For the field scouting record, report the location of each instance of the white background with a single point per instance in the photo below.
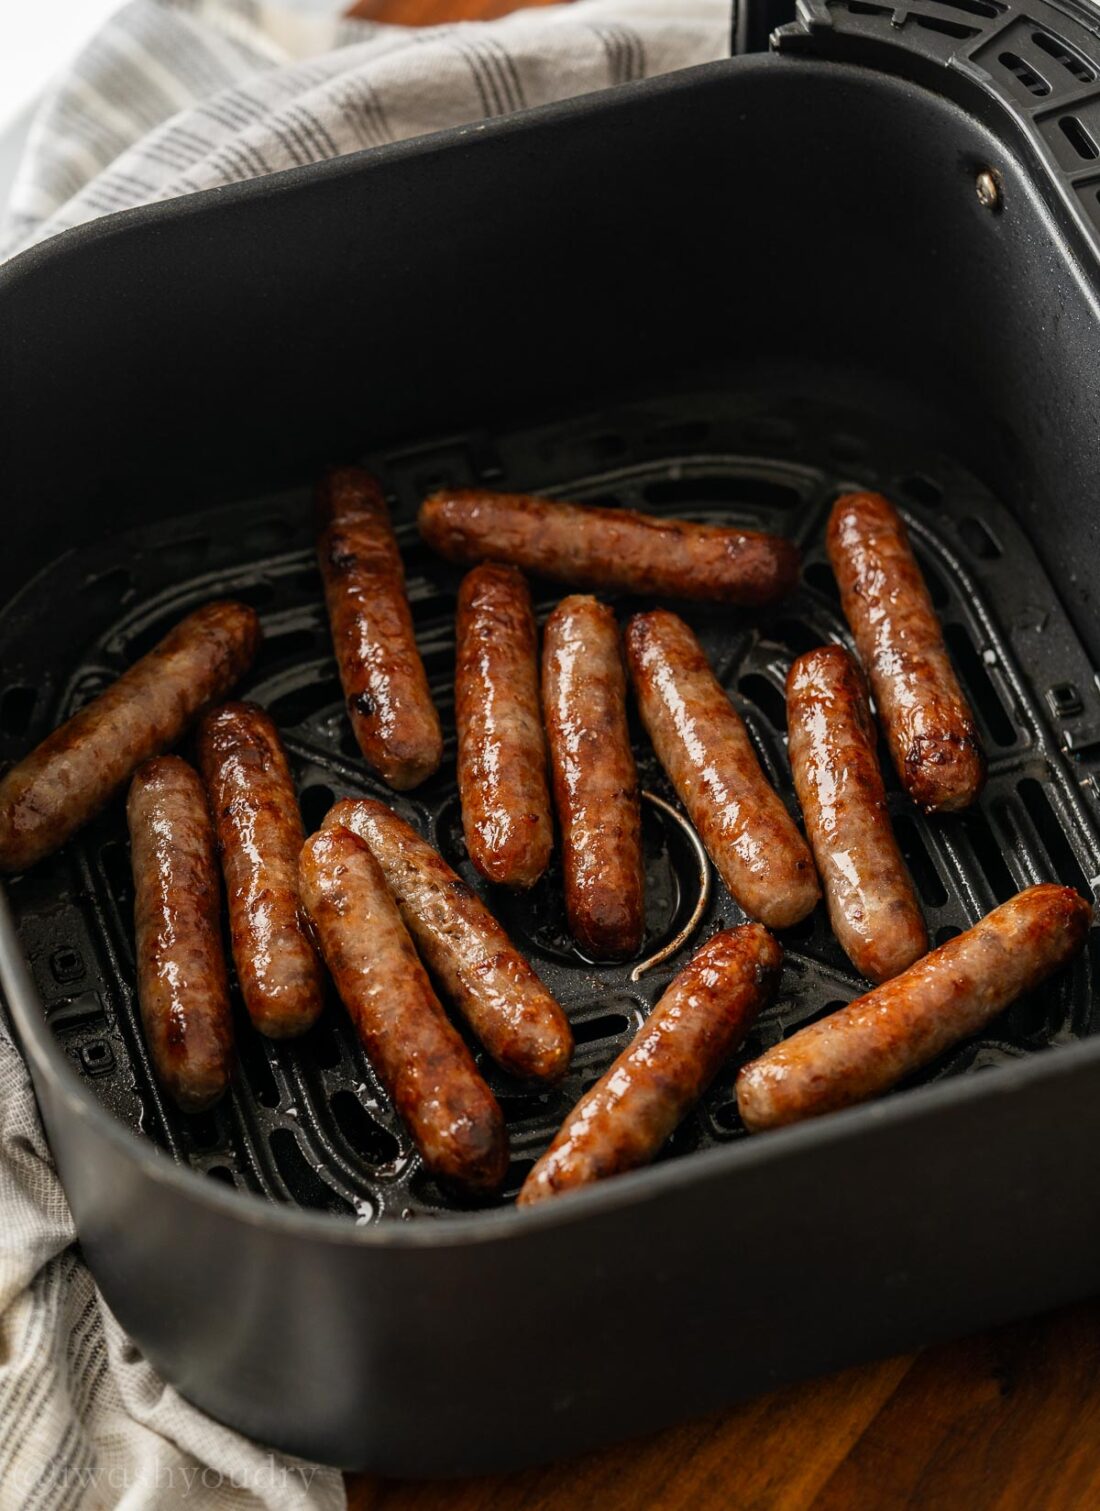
(37, 37)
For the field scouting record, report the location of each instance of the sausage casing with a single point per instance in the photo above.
(76, 770)
(472, 958)
(928, 723)
(705, 748)
(701, 1018)
(501, 746)
(868, 1046)
(259, 827)
(612, 549)
(452, 1115)
(182, 988)
(832, 748)
(594, 778)
(385, 686)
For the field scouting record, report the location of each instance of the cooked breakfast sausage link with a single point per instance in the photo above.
(613, 549)
(700, 1020)
(594, 778)
(385, 686)
(260, 835)
(832, 748)
(424, 1065)
(954, 992)
(181, 978)
(928, 723)
(476, 964)
(75, 772)
(705, 748)
(501, 746)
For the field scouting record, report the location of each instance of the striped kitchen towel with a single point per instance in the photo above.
(175, 96)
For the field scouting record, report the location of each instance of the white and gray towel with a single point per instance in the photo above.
(175, 96)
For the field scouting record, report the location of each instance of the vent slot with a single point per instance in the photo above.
(1078, 138)
(302, 1181)
(983, 694)
(1055, 48)
(1052, 834)
(1032, 81)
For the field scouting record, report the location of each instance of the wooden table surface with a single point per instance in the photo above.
(1008, 1419)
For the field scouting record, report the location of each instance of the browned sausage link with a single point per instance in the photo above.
(181, 979)
(425, 1067)
(832, 747)
(501, 747)
(385, 687)
(615, 549)
(870, 1045)
(56, 789)
(705, 748)
(475, 962)
(260, 834)
(928, 723)
(700, 1020)
(595, 781)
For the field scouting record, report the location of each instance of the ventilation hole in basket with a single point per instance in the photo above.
(300, 1177)
(728, 1117)
(1032, 81)
(290, 645)
(771, 431)
(936, 590)
(323, 1044)
(518, 1171)
(222, 1173)
(17, 709)
(269, 534)
(976, 536)
(986, 8)
(922, 490)
(1055, 48)
(947, 28)
(257, 1068)
(258, 594)
(606, 1026)
(989, 855)
(305, 702)
(948, 931)
(920, 863)
(765, 696)
(307, 581)
(1051, 831)
(522, 1107)
(115, 860)
(728, 488)
(802, 931)
(826, 1010)
(865, 8)
(797, 636)
(1078, 138)
(686, 433)
(204, 1131)
(983, 694)
(819, 576)
(315, 802)
(108, 589)
(606, 447)
(366, 1136)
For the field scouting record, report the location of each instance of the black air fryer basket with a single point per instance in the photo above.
(866, 258)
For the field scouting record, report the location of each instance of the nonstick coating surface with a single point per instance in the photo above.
(307, 1122)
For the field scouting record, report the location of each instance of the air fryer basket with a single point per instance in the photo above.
(725, 295)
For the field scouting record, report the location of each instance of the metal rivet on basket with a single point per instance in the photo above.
(988, 190)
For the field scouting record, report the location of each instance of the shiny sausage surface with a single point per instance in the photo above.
(870, 1045)
(255, 811)
(705, 748)
(76, 770)
(425, 1067)
(594, 778)
(700, 1020)
(476, 964)
(501, 746)
(928, 723)
(613, 549)
(385, 686)
(182, 988)
(872, 906)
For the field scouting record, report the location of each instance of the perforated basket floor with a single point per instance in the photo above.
(307, 1122)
